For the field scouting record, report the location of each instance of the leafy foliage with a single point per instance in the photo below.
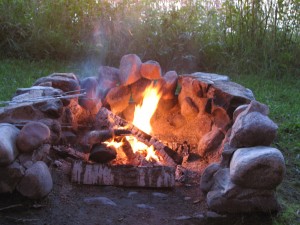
(227, 35)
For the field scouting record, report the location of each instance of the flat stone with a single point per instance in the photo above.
(8, 149)
(92, 98)
(67, 82)
(37, 181)
(99, 201)
(210, 77)
(151, 70)
(32, 136)
(10, 176)
(257, 167)
(51, 108)
(118, 98)
(130, 69)
(252, 129)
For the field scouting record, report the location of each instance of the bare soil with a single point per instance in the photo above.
(184, 204)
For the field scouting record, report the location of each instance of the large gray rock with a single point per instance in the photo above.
(108, 77)
(32, 136)
(37, 181)
(10, 176)
(130, 69)
(227, 197)
(207, 177)
(118, 98)
(209, 77)
(8, 149)
(257, 167)
(252, 129)
(169, 85)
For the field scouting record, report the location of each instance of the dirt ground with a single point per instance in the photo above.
(66, 204)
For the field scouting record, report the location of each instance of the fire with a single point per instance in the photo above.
(142, 116)
(144, 112)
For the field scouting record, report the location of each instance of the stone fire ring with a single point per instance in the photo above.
(228, 128)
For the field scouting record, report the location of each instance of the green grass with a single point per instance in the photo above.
(282, 95)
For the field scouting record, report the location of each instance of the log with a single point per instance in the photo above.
(70, 152)
(123, 175)
(105, 119)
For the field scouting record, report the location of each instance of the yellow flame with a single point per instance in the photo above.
(113, 143)
(144, 112)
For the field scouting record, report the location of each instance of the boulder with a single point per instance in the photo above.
(238, 111)
(67, 82)
(32, 136)
(52, 108)
(118, 98)
(108, 77)
(151, 70)
(169, 85)
(210, 141)
(55, 129)
(8, 149)
(257, 167)
(209, 77)
(37, 181)
(207, 177)
(10, 176)
(252, 129)
(92, 98)
(227, 197)
(130, 69)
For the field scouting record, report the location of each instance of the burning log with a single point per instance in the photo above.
(121, 175)
(107, 119)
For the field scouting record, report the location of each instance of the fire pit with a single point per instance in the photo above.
(135, 127)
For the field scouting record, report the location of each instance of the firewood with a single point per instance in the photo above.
(107, 119)
(123, 175)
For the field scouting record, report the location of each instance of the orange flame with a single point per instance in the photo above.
(144, 112)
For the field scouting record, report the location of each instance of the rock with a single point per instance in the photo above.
(102, 154)
(24, 158)
(92, 98)
(227, 155)
(128, 113)
(188, 108)
(32, 136)
(108, 77)
(207, 179)
(8, 149)
(209, 77)
(42, 154)
(55, 129)
(118, 98)
(144, 206)
(138, 88)
(35, 92)
(151, 70)
(10, 176)
(67, 82)
(227, 197)
(51, 108)
(210, 141)
(159, 195)
(99, 201)
(238, 111)
(130, 69)
(257, 167)
(252, 129)
(37, 181)
(177, 120)
(221, 118)
(68, 137)
(169, 85)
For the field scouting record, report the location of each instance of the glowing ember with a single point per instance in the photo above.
(113, 143)
(144, 112)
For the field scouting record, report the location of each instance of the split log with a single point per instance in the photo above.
(123, 175)
(108, 120)
(70, 152)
